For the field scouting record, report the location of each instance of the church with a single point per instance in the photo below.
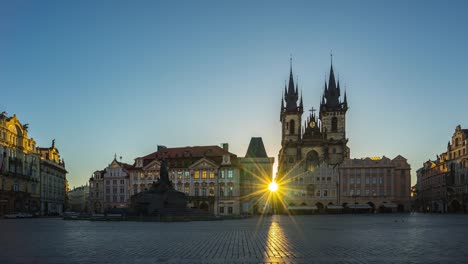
(312, 149)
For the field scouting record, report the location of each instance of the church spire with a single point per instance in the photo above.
(291, 94)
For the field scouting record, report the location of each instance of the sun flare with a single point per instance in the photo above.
(273, 187)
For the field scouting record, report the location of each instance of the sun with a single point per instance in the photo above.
(273, 186)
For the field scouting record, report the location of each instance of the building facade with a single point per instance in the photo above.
(312, 149)
(78, 199)
(442, 184)
(109, 188)
(208, 175)
(53, 181)
(376, 184)
(19, 168)
(256, 175)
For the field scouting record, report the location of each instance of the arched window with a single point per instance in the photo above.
(334, 124)
(291, 127)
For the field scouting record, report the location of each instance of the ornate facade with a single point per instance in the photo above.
(442, 184)
(109, 188)
(53, 181)
(208, 175)
(21, 169)
(312, 149)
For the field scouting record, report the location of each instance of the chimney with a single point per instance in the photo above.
(225, 146)
(161, 147)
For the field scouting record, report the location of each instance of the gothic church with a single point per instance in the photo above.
(312, 149)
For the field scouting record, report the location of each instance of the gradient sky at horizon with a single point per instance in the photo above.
(105, 77)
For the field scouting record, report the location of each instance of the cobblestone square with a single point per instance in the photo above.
(405, 238)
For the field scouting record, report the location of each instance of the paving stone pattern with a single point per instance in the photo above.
(392, 238)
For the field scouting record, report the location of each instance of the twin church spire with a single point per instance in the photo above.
(291, 96)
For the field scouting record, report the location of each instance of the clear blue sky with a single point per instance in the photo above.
(105, 77)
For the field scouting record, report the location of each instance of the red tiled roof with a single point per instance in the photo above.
(194, 153)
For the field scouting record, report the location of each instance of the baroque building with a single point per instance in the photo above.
(53, 181)
(208, 175)
(312, 149)
(19, 168)
(109, 188)
(442, 184)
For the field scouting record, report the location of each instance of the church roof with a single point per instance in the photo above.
(256, 149)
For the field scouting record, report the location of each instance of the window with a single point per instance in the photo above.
(114, 190)
(325, 193)
(351, 192)
(230, 210)
(187, 189)
(351, 180)
(212, 191)
(221, 210)
(318, 193)
(107, 182)
(374, 180)
(367, 192)
(230, 174)
(358, 192)
(187, 174)
(212, 175)
(204, 174)
(230, 191)
(373, 193)
(107, 189)
(197, 191)
(291, 127)
(122, 190)
(114, 182)
(114, 199)
(122, 199)
(318, 179)
(381, 180)
(179, 175)
(334, 124)
(221, 191)
(122, 181)
(197, 175)
(328, 178)
(367, 180)
(358, 180)
(97, 184)
(222, 174)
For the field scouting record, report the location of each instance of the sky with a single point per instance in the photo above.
(121, 77)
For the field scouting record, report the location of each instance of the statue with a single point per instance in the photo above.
(160, 197)
(53, 143)
(163, 173)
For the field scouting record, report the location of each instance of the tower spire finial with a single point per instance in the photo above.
(331, 57)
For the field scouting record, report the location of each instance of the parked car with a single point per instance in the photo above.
(18, 215)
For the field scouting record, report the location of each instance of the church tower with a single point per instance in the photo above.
(291, 121)
(333, 120)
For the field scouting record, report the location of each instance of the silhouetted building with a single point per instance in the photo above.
(257, 172)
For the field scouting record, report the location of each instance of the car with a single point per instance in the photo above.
(18, 215)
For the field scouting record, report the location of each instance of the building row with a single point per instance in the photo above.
(442, 183)
(32, 178)
(213, 178)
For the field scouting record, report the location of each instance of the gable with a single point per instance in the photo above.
(203, 163)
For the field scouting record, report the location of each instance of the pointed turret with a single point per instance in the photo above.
(301, 104)
(291, 96)
(331, 92)
(345, 101)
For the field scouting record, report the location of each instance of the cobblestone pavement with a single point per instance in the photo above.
(278, 239)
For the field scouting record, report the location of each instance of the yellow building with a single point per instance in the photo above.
(19, 168)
